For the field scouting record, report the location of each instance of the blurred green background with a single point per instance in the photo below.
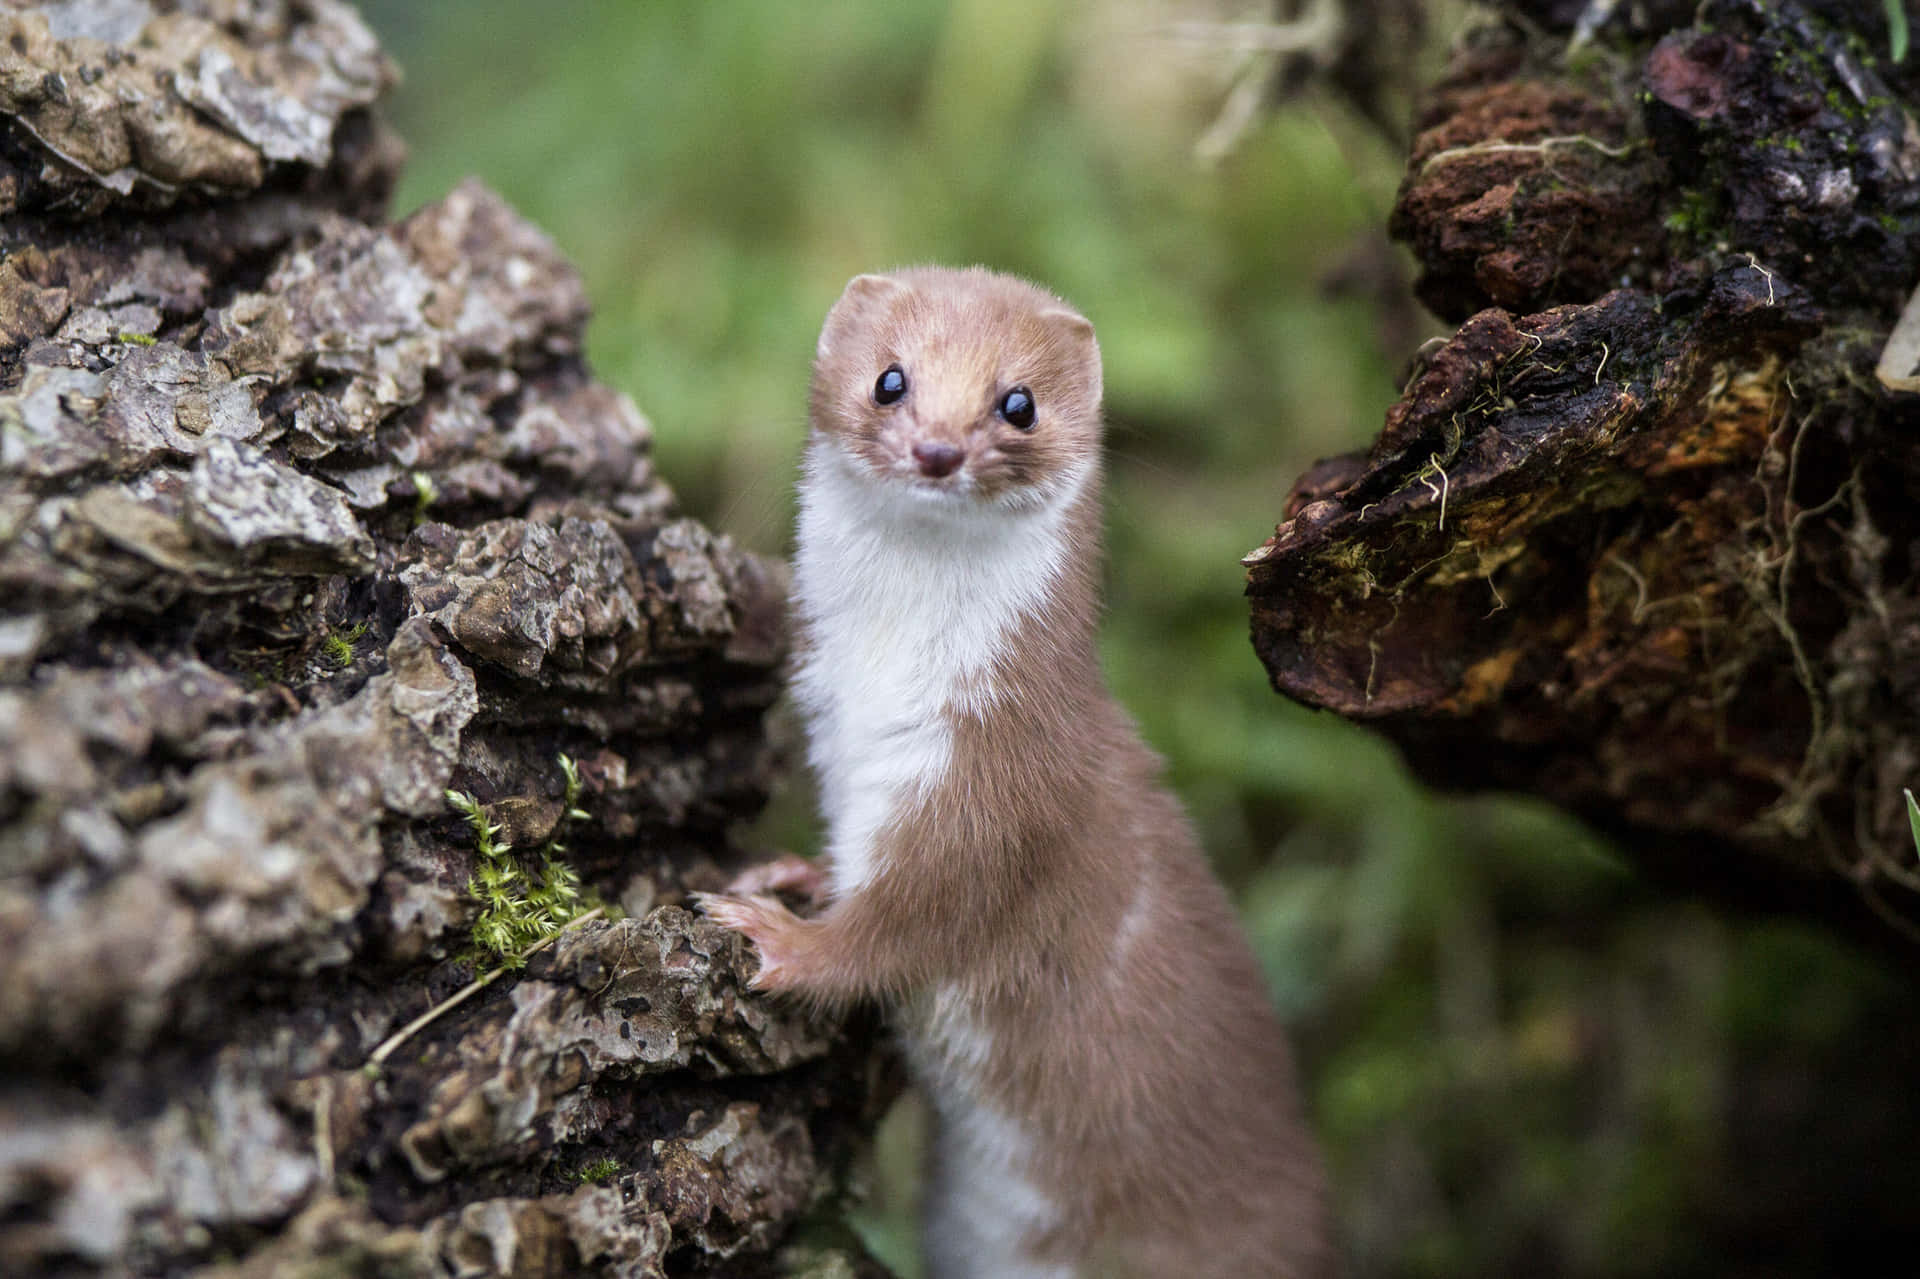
(1520, 1060)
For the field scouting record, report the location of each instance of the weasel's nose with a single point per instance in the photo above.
(937, 460)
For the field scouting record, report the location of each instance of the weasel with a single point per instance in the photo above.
(1004, 870)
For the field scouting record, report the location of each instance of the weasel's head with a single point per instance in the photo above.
(959, 386)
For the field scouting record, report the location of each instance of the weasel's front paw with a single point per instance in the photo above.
(774, 931)
(784, 874)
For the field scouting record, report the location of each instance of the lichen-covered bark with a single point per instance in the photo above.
(305, 520)
(1639, 536)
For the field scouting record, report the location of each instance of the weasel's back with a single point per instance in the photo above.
(1144, 1109)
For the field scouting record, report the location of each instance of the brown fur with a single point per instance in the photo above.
(967, 322)
(1148, 1068)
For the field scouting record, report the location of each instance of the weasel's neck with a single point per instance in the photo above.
(883, 575)
(916, 616)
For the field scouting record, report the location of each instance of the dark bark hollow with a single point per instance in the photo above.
(305, 520)
(1640, 536)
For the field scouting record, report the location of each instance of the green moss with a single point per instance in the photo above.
(1697, 215)
(340, 647)
(599, 1172)
(518, 906)
(136, 339)
(425, 494)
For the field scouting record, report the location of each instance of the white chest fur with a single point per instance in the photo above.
(981, 1203)
(906, 597)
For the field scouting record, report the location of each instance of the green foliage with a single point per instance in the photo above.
(518, 907)
(597, 1173)
(341, 646)
(1913, 820)
(719, 170)
(1896, 29)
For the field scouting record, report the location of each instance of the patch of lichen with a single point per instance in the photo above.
(1808, 576)
(1471, 525)
(1781, 122)
(1348, 563)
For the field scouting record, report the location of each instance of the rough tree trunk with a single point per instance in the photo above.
(1640, 536)
(304, 521)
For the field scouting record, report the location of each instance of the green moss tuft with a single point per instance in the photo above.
(1697, 215)
(599, 1172)
(519, 907)
(425, 494)
(340, 647)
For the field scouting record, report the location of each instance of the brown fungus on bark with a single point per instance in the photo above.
(1648, 552)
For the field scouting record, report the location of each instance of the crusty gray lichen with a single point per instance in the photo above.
(634, 998)
(127, 98)
(305, 520)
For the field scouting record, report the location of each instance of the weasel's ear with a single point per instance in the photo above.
(1071, 325)
(862, 294)
(1074, 332)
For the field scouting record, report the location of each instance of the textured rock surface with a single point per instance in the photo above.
(110, 100)
(1649, 551)
(303, 521)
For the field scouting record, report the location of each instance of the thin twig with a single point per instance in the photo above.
(1755, 264)
(1541, 147)
(1314, 30)
(1499, 601)
(468, 991)
(323, 1129)
(1433, 460)
(1639, 582)
(1237, 113)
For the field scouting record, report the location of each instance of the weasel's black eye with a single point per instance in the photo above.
(1017, 407)
(891, 386)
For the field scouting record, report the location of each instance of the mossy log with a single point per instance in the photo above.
(305, 521)
(1640, 536)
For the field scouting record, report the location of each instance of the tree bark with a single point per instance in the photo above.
(304, 521)
(1640, 535)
